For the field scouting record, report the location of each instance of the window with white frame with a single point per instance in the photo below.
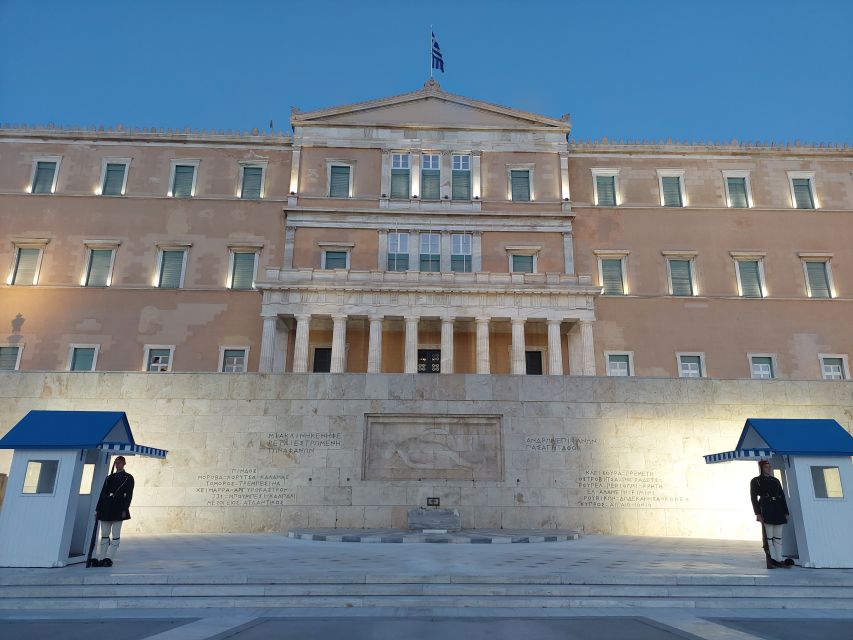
(336, 255)
(430, 251)
(398, 251)
(99, 266)
(691, 365)
(400, 176)
(171, 265)
(243, 268)
(114, 176)
(738, 192)
(340, 180)
(834, 366)
(10, 357)
(460, 252)
(252, 181)
(750, 275)
(430, 176)
(233, 359)
(461, 178)
(82, 357)
(818, 275)
(523, 258)
(619, 363)
(612, 272)
(44, 175)
(183, 180)
(681, 272)
(671, 183)
(26, 264)
(604, 187)
(762, 366)
(802, 188)
(158, 358)
(520, 189)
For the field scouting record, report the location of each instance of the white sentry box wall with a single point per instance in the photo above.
(50, 529)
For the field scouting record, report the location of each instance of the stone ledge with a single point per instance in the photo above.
(465, 536)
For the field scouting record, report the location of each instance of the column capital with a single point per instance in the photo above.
(518, 321)
(411, 319)
(585, 323)
(302, 317)
(476, 152)
(482, 320)
(567, 234)
(338, 317)
(448, 319)
(556, 321)
(376, 317)
(382, 230)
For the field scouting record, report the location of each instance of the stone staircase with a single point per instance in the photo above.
(99, 589)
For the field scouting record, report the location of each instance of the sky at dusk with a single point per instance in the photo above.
(686, 69)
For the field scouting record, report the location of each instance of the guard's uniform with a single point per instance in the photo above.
(113, 509)
(768, 501)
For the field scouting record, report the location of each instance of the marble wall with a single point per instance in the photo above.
(255, 452)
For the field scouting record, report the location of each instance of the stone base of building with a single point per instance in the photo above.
(273, 452)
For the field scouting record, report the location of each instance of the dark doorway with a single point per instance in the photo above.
(429, 360)
(322, 360)
(533, 360)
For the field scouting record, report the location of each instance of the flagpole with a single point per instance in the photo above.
(430, 52)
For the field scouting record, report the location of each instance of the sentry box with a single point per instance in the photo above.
(60, 461)
(812, 460)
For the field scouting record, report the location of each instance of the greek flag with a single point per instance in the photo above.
(437, 58)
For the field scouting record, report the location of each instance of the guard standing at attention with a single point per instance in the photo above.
(112, 510)
(771, 510)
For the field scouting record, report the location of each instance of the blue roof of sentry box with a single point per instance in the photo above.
(68, 430)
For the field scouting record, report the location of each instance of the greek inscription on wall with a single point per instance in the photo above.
(302, 442)
(625, 489)
(244, 487)
(558, 443)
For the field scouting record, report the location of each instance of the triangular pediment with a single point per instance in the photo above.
(431, 107)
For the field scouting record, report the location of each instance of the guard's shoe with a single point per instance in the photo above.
(94, 562)
(106, 562)
(771, 564)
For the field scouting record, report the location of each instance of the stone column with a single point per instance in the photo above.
(339, 342)
(482, 345)
(568, 253)
(587, 348)
(374, 345)
(518, 365)
(477, 252)
(289, 237)
(385, 176)
(575, 350)
(382, 263)
(300, 349)
(268, 340)
(445, 248)
(411, 352)
(555, 349)
(447, 345)
(446, 176)
(414, 251)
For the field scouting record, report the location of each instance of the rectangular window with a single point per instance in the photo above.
(611, 277)
(827, 483)
(430, 177)
(335, 259)
(114, 179)
(520, 185)
(749, 273)
(606, 191)
(253, 178)
(461, 179)
(430, 253)
(183, 181)
(171, 268)
(533, 363)
(322, 360)
(339, 179)
(690, 366)
(99, 269)
(762, 367)
(400, 176)
(233, 360)
(832, 368)
(817, 279)
(82, 359)
(398, 251)
(737, 192)
(429, 360)
(618, 364)
(243, 269)
(803, 196)
(40, 476)
(44, 178)
(26, 266)
(9, 358)
(680, 277)
(460, 255)
(522, 263)
(159, 360)
(671, 191)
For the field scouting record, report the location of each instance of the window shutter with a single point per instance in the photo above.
(183, 186)
(82, 359)
(737, 193)
(336, 260)
(398, 262)
(8, 358)
(400, 184)
(251, 188)
(520, 183)
(461, 185)
(43, 182)
(460, 263)
(671, 191)
(750, 279)
(430, 184)
(243, 275)
(611, 275)
(113, 179)
(818, 279)
(25, 269)
(682, 282)
(522, 264)
(339, 182)
(803, 193)
(171, 266)
(99, 267)
(606, 186)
